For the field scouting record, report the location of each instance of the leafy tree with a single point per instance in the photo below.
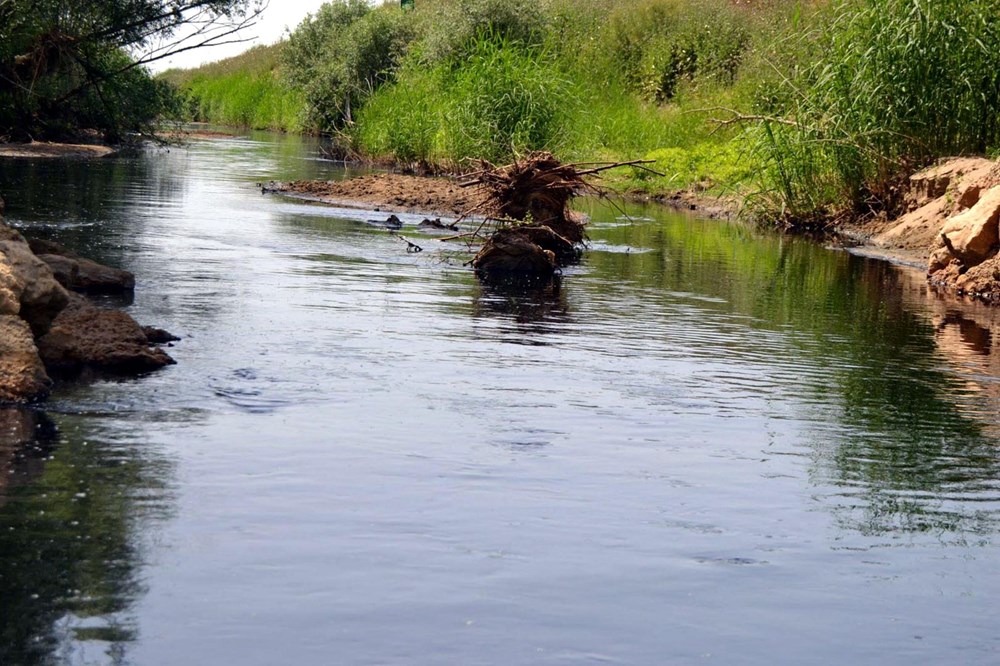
(67, 65)
(342, 54)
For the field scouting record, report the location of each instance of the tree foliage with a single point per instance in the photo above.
(343, 53)
(66, 65)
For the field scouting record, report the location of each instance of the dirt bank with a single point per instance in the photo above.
(387, 192)
(949, 226)
(53, 150)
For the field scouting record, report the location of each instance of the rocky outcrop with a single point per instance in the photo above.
(85, 336)
(22, 374)
(958, 179)
(966, 241)
(933, 195)
(44, 328)
(79, 273)
(30, 281)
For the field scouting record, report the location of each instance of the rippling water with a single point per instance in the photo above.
(704, 444)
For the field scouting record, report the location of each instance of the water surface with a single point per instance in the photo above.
(704, 444)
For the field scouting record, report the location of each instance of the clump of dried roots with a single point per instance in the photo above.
(527, 205)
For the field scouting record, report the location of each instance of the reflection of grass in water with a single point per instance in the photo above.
(895, 430)
(105, 634)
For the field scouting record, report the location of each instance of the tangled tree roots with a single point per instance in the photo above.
(536, 192)
(525, 249)
(538, 189)
(534, 231)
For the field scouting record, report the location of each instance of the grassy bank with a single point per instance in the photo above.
(807, 109)
(249, 90)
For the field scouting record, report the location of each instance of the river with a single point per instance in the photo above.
(704, 444)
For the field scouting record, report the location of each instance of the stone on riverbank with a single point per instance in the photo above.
(22, 375)
(30, 280)
(972, 236)
(964, 257)
(44, 328)
(85, 336)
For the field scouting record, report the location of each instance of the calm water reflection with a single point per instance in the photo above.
(703, 444)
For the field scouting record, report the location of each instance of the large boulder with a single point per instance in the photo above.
(28, 279)
(22, 375)
(972, 236)
(79, 273)
(85, 336)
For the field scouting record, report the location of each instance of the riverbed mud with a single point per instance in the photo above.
(55, 150)
(386, 192)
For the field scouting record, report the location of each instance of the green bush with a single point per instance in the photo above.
(248, 90)
(451, 28)
(498, 100)
(406, 122)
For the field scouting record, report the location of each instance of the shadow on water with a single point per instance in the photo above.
(71, 508)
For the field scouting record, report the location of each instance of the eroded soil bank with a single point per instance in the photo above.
(950, 226)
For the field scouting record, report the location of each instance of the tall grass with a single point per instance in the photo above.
(893, 84)
(602, 80)
(248, 90)
(501, 99)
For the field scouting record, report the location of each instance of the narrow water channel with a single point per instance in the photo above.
(704, 444)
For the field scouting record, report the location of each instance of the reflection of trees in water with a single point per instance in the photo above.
(26, 439)
(69, 552)
(900, 446)
(92, 206)
(534, 305)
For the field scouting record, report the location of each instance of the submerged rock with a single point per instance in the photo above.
(22, 374)
(79, 273)
(158, 336)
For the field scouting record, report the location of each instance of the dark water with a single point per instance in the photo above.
(704, 445)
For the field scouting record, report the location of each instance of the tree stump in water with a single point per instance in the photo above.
(508, 251)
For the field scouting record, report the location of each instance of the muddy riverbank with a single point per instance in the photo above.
(949, 227)
(39, 149)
